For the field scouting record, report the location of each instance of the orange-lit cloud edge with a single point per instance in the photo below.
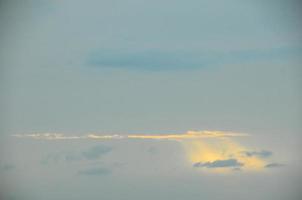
(210, 151)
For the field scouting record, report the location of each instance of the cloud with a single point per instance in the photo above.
(47, 136)
(205, 149)
(262, 154)
(94, 171)
(159, 60)
(96, 152)
(274, 165)
(187, 135)
(62, 136)
(219, 164)
(213, 152)
(236, 169)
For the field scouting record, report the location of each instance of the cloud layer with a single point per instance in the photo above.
(187, 135)
(225, 154)
(207, 150)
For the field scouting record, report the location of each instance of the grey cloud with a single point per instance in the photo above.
(262, 154)
(96, 152)
(274, 165)
(160, 60)
(94, 171)
(219, 163)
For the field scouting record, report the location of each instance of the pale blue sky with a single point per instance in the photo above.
(133, 66)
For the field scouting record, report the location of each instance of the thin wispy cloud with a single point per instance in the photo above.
(219, 163)
(93, 136)
(274, 165)
(263, 153)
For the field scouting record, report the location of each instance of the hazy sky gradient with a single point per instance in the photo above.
(148, 67)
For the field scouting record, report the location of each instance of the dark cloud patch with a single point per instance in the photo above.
(171, 60)
(262, 154)
(96, 152)
(237, 169)
(94, 171)
(219, 163)
(274, 165)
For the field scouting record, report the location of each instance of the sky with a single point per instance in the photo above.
(133, 99)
